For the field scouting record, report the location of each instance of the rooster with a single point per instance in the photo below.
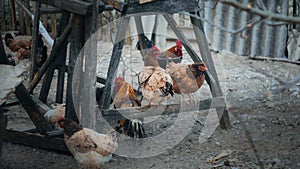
(126, 97)
(155, 82)
(187, 79)
(89, 148)
(173, 54)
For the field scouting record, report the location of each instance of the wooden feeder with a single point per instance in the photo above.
(79, 27)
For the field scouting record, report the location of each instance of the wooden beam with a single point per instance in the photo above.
(36, 140)
(211, 75)
(50, 10)
(31, 107)
(3, 56)
(141, 35)
(114, 62)
(74, 6)
(3, 124)
(161, 6)
(140, 112)
(2, 15)
(12, 10)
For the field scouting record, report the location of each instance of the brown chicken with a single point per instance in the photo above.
(187, 79)
(21, 48)
(126, 97)
(155, 82)
(173, 54)
(89, 148)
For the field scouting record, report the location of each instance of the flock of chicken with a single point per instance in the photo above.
(162, 76)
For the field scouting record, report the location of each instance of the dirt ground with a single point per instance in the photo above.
(265, 122)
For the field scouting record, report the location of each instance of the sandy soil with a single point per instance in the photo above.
(264, 134)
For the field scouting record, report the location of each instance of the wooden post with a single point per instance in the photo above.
(12, 10)
(207, 58)
(114, 62)
(2, 15)
(53, 25)
(141, 35)
(27, 19)
(34, 39)
(21, 20)
(77, 41)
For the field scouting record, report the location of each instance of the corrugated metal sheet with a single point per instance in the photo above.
(263, 39)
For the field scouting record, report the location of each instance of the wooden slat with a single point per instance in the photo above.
(74, 6)
(140, 112)
(50, 10)
(161, 6)
(31, 108)
(36, 140)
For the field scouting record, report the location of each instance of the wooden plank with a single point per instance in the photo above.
(31, 108)
(141, 35)
(36, 140)
(50, 10)
(140, 112)
(114, 62)
(74, 6)
(161, 6)
(211, 75)
(53, 25)
(27, 18)
(77, 41)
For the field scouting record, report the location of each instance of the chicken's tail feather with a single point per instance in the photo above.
(168, 89)
(131, 128)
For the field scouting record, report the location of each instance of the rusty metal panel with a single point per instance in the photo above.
(263, 39)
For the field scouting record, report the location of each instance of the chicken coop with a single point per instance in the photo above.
(76, 67)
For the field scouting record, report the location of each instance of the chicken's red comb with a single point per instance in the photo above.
(155, 48)
(119, 78)
(178, 43)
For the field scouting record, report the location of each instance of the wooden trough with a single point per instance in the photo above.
(79, 27)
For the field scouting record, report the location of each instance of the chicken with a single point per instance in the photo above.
(126, 97)
(155, 82)
(20, 47)
(187, 78)
(173, 54)
(53, 115)
(89, 148)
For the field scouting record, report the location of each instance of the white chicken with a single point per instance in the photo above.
(89, 148)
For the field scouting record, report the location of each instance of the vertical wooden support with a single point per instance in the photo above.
(27, 19)
(114, 62)
(2, 15)
(53, 25)
(77, 41)
(21, 20)
(87, 111)
(206, 56)
(12, 10)
(34, 39)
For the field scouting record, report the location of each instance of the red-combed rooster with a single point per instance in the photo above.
(89, 148)
(126, 97)
(187, 78)
(173, 54)
(155, 82)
